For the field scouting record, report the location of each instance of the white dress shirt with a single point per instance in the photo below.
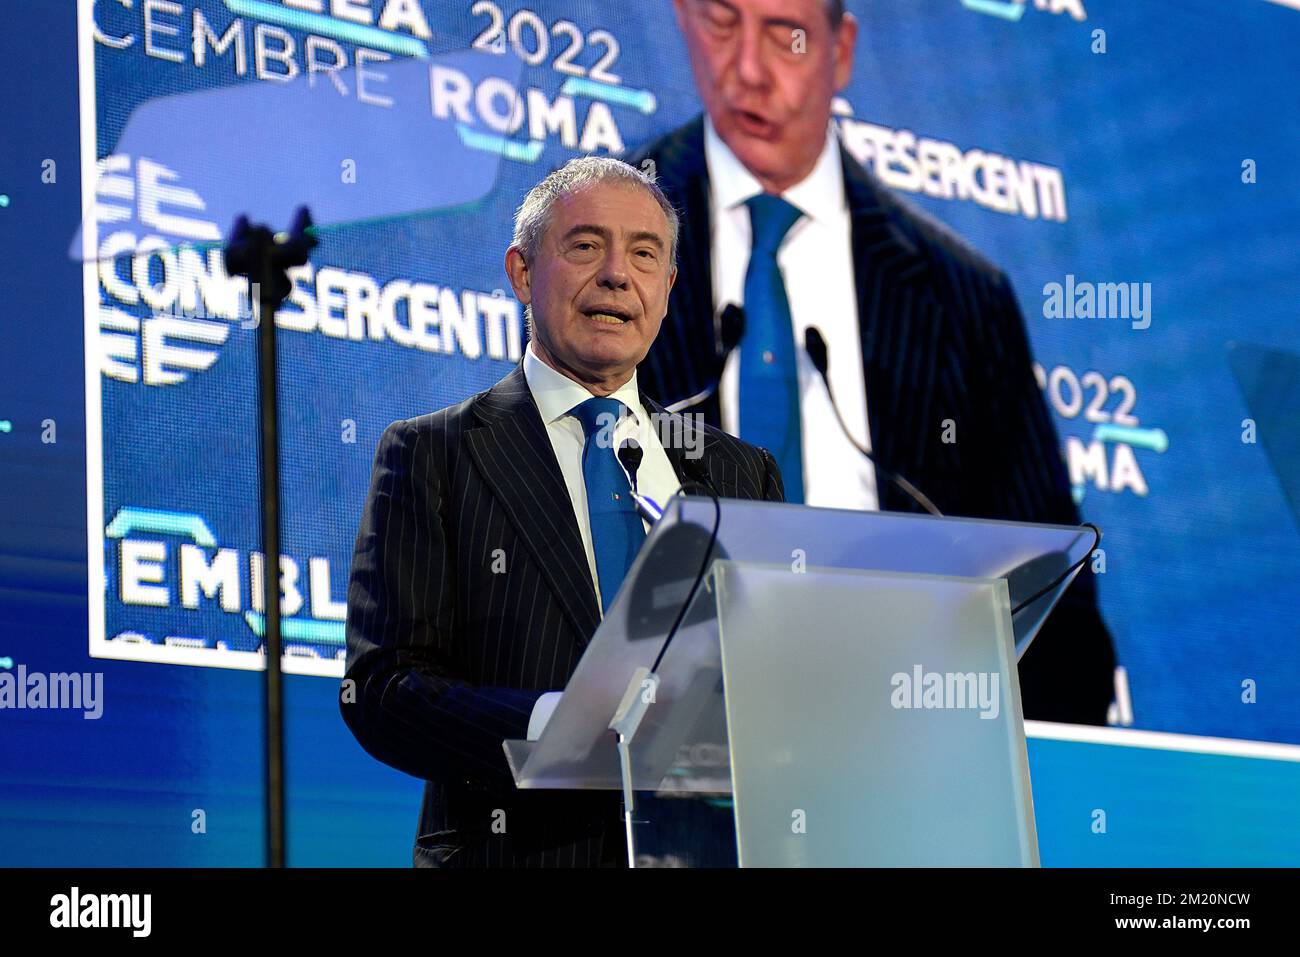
(556, 396)
(816, 260)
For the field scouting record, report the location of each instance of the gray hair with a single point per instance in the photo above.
(534, 213)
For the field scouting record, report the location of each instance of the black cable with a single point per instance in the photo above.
(704, 564)
(1065, 574)
(815, 346)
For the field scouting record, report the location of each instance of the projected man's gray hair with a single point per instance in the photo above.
(534, 213)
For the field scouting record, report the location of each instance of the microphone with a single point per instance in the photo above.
(815, 345)
(630, 455)
(731, 329)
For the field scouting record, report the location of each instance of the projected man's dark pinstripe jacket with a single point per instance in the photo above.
(449, 657)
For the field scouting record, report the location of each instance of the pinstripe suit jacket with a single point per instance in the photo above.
(470, 596)
(942, 339)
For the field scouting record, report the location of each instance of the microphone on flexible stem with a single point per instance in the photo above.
(815, 346)
(630, 455)
(731, 329)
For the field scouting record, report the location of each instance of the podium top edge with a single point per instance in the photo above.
(874, 514)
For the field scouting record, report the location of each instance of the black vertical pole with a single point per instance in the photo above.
(265, 259)
(270, 461)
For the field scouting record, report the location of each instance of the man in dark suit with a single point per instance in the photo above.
(497, 530)
(929, 360)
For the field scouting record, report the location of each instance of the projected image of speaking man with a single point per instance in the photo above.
(497, 531)
(928, 357)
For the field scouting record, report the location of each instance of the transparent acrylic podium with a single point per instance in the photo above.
(842, 690)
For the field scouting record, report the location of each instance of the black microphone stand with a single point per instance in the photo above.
(264, 258)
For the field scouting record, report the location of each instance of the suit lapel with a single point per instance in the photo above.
(686, 358)
(515, 457)
(898, 325)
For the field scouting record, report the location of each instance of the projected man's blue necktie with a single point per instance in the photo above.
(769, 371)
(616, 529)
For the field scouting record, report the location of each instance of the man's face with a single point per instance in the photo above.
(598, 283)
(767, 87)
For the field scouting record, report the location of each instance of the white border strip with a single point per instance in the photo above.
(90, 306)
(1161, 740)
(291, 664)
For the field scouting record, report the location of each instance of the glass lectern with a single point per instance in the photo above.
(841, 690)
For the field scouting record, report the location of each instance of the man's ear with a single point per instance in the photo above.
(672, 278)
(520, 278)
(846, 37)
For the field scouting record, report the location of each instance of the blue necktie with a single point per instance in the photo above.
(616, 529)
(769, 371)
